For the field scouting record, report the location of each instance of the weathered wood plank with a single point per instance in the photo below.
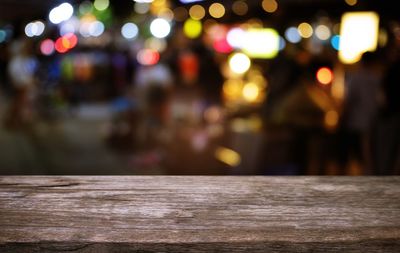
(199, 214)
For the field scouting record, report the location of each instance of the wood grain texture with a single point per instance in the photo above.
(199, 214)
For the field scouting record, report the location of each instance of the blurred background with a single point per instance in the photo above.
(191, 87)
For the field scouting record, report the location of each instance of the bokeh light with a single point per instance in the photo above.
(250, 92)
(160, 28)
(156, 44)
(166, 13)
(358, 34)
(227, 156)
(236, 37)
(239, 63)
(221, 45)
(61, 13)
(129, 31)
(322, 32)
(305, 30)
(96, 28)
(351, 2)
(59, 46)
(101, 5)
(216, 10)
(292, 35)
(197, 12)
(282, 43)
(240, 7)
(232, 89)
(47, 47)
(261, 43)
(180, 14)
(85, 7)
(148, 57)
(335, 41)
(34, 29)
(192, 28)
(141, 8)
(324, 75)
(269, 5)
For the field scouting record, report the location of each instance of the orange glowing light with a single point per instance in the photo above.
(59, 46)
(324, 75)
(331, 119)
(72, 40)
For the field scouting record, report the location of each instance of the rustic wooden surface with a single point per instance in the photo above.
(199, 214)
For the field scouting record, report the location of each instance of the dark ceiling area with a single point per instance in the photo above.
(21, 10)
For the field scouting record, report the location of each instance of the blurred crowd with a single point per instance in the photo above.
(175, 113)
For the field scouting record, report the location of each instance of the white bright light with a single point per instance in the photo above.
(358, 34)
(261, 43)
(239, 63)
(160, 28)
(34, 29)
(84, 29)
(235, 37)
(28, 30)
(129, 31)
(67, 28)
(61, 13)
(96, 28)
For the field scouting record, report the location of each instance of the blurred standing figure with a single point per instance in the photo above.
(21, 70)
(388, 130)
(362, 92)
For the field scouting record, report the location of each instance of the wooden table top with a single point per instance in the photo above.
(199, 214)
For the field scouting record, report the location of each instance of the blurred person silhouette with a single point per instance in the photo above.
(360, 108)
(22, 70)
(387, 146)
(153, 86)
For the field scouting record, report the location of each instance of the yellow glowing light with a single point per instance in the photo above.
(227, 156)
(255, 76)
(358, 34)
(305, 30)
(101, 5)
(351, 2)
(216, 10)
(270, 5)
(261, 43)
(239, 63)
(232, 89)
(331, 119)
(250, 92)
(192, 28)
(324, 75)
(382, 38)
(240, 8)
(338, 89)
(159, 3)
(197, 12)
